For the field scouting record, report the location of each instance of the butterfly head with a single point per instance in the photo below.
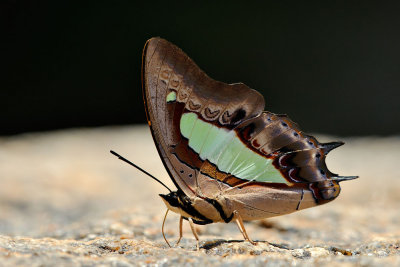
(171, 200)
(178, 202)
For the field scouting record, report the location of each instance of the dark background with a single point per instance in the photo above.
(333, 68)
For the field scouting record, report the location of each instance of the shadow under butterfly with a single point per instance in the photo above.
(229, 159)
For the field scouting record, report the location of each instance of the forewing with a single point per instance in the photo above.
(173, 86)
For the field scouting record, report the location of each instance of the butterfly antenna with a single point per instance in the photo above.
(140, 169)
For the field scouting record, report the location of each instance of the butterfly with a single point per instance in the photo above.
(229, 159)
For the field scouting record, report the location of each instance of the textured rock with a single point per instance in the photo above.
(64, 199)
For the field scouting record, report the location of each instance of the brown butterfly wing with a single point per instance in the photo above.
(174, 84)
(298, 156)
(166, 69)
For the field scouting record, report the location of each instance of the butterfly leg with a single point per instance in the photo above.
(180, 230)
(162, 228)
(194, 231)
(239, 222)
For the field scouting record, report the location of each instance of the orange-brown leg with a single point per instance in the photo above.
(194, 232)
(180, 230)
(162, 228)
(239, 222)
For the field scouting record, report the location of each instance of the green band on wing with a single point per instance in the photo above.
(171, 97)
(224, 149)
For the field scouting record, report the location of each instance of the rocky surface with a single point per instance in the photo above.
(65, 200)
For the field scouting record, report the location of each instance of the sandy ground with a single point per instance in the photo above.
(65, 200)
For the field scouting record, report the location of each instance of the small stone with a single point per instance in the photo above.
(301, 253)
(91, 236)
(318, 252)
(382, 253)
